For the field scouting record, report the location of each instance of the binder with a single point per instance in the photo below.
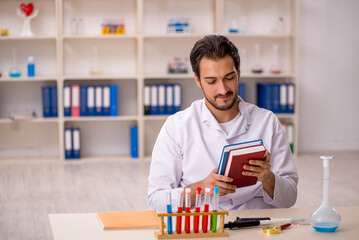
(283, 98)
(275, 88)
(134, 141)
(169, 109)
(53, 101)
(67, 101)
(161, 99)
(154, 100)
(98, 101)
(68, 143)
(113, 100)
(83, 101)
(242, 91)
(76, 143)
(106, 101)
(290, 108)
(46, 102)
(147, 100)
(75, 100)
(264, 96)
(177, 97)
(90, 110)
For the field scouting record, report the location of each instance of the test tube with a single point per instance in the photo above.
(197, 209)
(188, 209)
(215, 209)
(169, 210)
(179, 210)
(207, 197)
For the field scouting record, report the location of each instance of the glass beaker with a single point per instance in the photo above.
(325, 218)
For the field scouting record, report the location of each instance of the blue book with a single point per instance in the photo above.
(106, 101)
(113, 100)
(177, 102)
(227, 148)
(291, 98)
(68, 143)
(90, 110)
(98, 101)
(54, 110)
(154, 100)
(169, 107)
(67, 101)
(134, 142)
(161, 99)
(76, 143)
(275, 95)
(283, 99)
(264, 96)
(46, 101)
(242, 91)
(83, 100)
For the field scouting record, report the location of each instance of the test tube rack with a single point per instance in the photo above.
(161, 234)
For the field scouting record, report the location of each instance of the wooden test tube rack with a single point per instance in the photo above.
(219, 233)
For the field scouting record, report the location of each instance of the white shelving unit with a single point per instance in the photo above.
(130, 61)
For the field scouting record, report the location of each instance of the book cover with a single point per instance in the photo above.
(154, 100)
(106, 101)
(177, 97)
(90, 109)
(67, 101)
(83, 100)
(147, 100)
(128, 220)
(68, 143)
(98, 101)
(46, 101)
(227, 148)
(237, 158)
(76, 143)
(113, 100)
(161, 99)
(54, 111)
(169, 99)
(134, 141)
(75, 100)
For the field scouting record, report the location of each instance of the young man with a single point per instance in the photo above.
(189, 145)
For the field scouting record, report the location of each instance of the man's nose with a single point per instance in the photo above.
(222, 88)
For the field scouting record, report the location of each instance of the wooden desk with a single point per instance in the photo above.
(86, 226)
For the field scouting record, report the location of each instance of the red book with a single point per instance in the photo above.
(237, 158)
(75, 100)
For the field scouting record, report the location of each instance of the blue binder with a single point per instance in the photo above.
(98, 101)
(291, 97)
(53, 94)
(177, 97)
(46, 101)
(68, 143)
(169, 108)
(161, 99)
(154, 100)
(106, 100)
(275, 94)
(113, 100)
(264, 96)
(134, 142)
(242, 91)
(67, 101)
(90, 110)
(76, 143)
(83, 100)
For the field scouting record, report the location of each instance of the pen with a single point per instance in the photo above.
(207, 197)
(197, 209)
(179, 210)
(215, 209)
(188, 209)
(169, 210)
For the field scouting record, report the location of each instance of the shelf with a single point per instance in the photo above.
(28, 38)
(286, 115)
(258, 35)
(29, 79)
(266, 75)
(155, 117)
(31, 120)
(119, 158)
(99, 77)
(109, 36)
(174, 35)
(169, 76)
(101, 119)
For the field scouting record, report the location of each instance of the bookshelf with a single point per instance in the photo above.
(131, 61)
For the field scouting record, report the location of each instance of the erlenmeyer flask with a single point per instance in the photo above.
(325, 218)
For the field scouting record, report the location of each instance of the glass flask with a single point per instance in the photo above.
(325, 218)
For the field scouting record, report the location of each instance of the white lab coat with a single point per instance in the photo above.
(189, 147)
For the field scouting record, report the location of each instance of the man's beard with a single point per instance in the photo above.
(221, 108)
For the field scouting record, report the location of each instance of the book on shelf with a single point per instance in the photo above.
(277, 97)
(237, 159)
(128, 220)
(161, 99)
(72, 143)
(49, 101)
(113, 100)
(75, 100)
(98, 101)
(134, 141)
(54, 110)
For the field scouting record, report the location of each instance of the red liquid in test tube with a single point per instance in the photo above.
(188, 209)
(179, 210)
(197, 209)
(206, 209)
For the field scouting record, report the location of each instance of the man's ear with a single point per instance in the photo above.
(239, 72)
(197, 81)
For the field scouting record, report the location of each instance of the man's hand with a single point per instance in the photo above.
(212, 180)
(261, 170)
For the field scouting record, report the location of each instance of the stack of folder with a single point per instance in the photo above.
(49, 101)
(277, 97)
(90, 100)
(72, 143)
(161, 99)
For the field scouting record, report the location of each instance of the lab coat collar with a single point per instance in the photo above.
(241, 126)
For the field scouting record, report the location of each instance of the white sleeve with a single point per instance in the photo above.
(283, 167)
(165, 171)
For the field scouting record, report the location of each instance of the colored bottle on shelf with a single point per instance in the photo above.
(31, 67)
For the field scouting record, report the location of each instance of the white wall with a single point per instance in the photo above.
(328, 75)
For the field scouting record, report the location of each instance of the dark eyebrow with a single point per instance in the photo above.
(224, 75)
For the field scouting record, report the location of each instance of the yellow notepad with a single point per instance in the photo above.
(128, 220)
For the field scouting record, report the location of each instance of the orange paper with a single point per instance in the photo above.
(128, 220)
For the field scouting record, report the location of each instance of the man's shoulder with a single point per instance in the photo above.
(189, 114)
